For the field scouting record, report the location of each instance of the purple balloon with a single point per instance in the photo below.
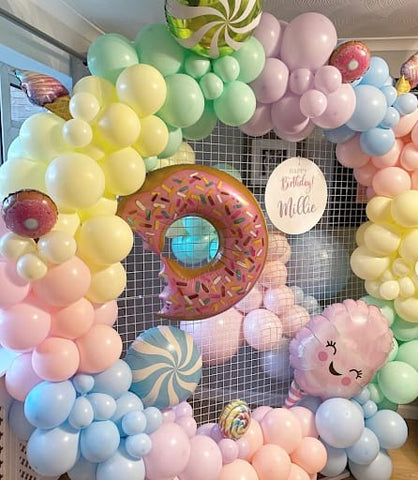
(313, 103)
(269, 34)
(260, 123)
(327, 79)
(287, 116)
(340, 107)
(229, 450)
(301, 80)
(296, 137)
(271, 84)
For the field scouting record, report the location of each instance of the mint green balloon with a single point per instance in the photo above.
(403, 330)
(398, 382)
(236, 105)
(196, 66)
(251, 58)
(376, 394)
(408, 353)
(386, 404)
(385, 306)
(226, 67)
(155, 46)
(204, 126)
(175, 137)
(184, 104)
(151, 163)
(212, 86)
(230, 170)
(394, 352)
(109, 55)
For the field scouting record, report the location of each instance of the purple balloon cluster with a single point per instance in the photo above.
(297, 89)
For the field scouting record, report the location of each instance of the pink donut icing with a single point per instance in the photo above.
(177, 191)
(352, 59)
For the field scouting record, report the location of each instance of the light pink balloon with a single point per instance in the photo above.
(294, 319)
(269, 33)
(260, 123)
(364, 174)
(20, 377)
(327, 79)
(274, 273)
(271, 84)
(188, 424)
(239, 470)
(406, 124)
(307, 421)
(64, 283)
(169, 454)
(24, 326)
(251, 301)
(205, 429)
(271, 462)
(308, 41)
(259, 412)
(55, 359)
(73, 320)
(279, 299)
(301, 80)
(287, 116)
(218, 338)
(340, 107)
(414, 135)
(262, 329)
(205, 460)
(391, 158)
(297, 473)
(243, 447)
(313, 103)
(106, 313)
(14, 288)
(282, 427)
(391, 181)
(169, 415)
(296, 137)
(278, 247)
(409, 157)
(350, 154)
(310, 455)
(229, 450)
(254, 437)
(414, 180)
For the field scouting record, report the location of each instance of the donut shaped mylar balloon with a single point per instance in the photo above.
(171, 193)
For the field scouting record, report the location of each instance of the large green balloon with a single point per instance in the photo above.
(403, 330)
(398, 382)
(408, 353)
(109, 54)
(204, 126)
(236, 105)
(251, 58)
(175, 137)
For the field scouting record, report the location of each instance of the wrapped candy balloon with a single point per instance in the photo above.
(338, 352)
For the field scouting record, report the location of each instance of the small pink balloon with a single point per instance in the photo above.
(183, 409)
(391, 181)
(307, 421)
(14, 288)
(313, 103)
(260, 123)
(391, 158)
(340, 107)
(254, 436)
(188, 424)
(409, 157)
(243, 447)
(274, 273)
(364, 174)
(287, 116)
(72, 321)
(169, 416)
(414, 136)
(251, 301)
(310, 455)
(259, 412)
(239, 470)
(281, 427)
(350, 154)
(271, 462)
(229, 450)
(327, 79)
(301, 80)
(271, 84)
(405, 124)
(279, 299)
(20, 377)
(262, 329)
(297, 473)
(294, 319)
(205, 429)
(64, 283)
(205, 460)
(55, 359)
(269, 33)
(106, 313)
(278, 247)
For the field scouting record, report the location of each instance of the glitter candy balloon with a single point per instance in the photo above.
(212, 28)
(235, 419)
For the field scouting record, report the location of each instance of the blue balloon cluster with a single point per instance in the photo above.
(378, 110)
(90, 426)
(370, 432)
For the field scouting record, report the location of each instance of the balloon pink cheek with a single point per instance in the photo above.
(346, 381)
(322, 356)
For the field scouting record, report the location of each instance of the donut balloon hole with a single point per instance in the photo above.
(172, 193)
(352, 59)
(29, 213)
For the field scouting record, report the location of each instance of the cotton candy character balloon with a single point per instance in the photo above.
(338, 352)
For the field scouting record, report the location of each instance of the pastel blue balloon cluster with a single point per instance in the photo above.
(378, 110)
(356, 433)
(89, 426)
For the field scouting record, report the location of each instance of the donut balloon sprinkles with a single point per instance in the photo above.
(352, 59)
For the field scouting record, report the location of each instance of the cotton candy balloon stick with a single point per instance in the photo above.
(295, 394)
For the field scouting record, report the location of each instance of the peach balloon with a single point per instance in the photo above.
(279, 299)
(350, 153)
(252, 300)
(238, 470)
(73, 320)
(409, 157)
(282, 427)
(254, 436)
(307, 421)
(99, 348)
(14, 288)
(297, 473)
(391, 158)
(310, 455)
(106, 313)
(20, 377)
(278, 247)
(294, 319)
(274, 273)
(364, 174)
(271, 462)
(55, 359)
(405, 124)
(259, 413)
(391, 181)
(64, 283)
(262, 329)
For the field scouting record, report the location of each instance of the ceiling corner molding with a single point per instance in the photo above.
(389, 44)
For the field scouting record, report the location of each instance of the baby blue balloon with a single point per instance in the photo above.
(115, 380)
(389, 427)
(121, 466)
(339, 135)
(127, 402)
(99, 441)
(365, 450)
(370, 108)
(379, 469)
(82, 413)
(48, 404)
(369, 408)
(138, 445)
(390, 94)
(391, 118)
(83, 383)
(377, 73)
(195, 225)
(104, 406)
(18, 423)
(134, 422)
(336, 461)
(406, 103)
(83, 470)
(377, 141)
(154, 419)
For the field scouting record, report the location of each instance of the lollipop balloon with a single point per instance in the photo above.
(338, 352)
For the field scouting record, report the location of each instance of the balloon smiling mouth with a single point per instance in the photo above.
(332, 370)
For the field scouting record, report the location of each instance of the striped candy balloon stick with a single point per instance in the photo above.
(294, 395)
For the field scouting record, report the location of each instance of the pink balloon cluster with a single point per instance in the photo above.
(297, 89)
(390, 174)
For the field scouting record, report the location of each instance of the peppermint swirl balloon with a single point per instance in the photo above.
(235, 419)
(212, 28)
(166, 366)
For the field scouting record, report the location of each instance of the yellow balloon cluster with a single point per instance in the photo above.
(387, 253)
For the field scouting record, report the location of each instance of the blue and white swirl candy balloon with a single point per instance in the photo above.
(166, 366)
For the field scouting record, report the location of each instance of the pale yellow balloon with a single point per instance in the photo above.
(124, 171)
(31, 267)
(107, 283)
(105, 206)
(104, 240)
(366, 265)
(360, 233)
(401, 267)
(143, 88)
(389, 290)
(381, 240)
(407, 308)
(372, 288)
(407, 287)
(57, 247)
(84, 106)
(153, 137)
(41, 137)
(405, 208)
(387, 276)
(96, 152)
(185, 154)
(68, 223)
(13, 246)
(99, 87)
(409, 245)
(378, 209)
(118, 125)
(74, 181)
(77, 132)
(21, 173)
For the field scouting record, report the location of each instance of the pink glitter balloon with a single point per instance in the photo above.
(338, 352)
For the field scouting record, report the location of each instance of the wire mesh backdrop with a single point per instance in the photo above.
(303, 274)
